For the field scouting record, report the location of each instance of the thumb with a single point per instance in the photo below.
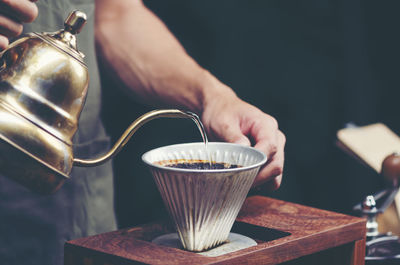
(234, 135)
(243, 140)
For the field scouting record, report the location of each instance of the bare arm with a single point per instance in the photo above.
(148, 58)
(155, 67)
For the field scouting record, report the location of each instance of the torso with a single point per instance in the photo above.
(34, 228)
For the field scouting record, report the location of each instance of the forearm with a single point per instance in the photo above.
(152, 64)
(149, 60)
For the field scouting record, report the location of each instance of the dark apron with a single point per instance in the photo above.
(34, 228)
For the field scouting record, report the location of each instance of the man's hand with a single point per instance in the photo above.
(12, 14)
(228, 118)
(140, 50)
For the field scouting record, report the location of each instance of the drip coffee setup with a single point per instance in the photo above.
(213, 220)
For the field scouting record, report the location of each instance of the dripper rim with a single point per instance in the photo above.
(206, 171)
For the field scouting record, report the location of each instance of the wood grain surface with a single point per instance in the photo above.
(285, 232)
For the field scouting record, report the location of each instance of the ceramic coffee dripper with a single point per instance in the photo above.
(204, 203)
(43, 87)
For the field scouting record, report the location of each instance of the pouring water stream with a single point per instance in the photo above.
(203, 133)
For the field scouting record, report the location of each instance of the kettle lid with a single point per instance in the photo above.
(65, 39)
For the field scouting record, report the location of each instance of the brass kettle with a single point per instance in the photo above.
(43, 87)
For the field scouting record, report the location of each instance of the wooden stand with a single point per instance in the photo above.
(286, 233)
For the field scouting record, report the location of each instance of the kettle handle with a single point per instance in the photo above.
(162, 113)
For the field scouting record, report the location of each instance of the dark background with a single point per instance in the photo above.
(314, 65)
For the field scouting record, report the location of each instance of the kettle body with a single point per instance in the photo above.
(43, 87)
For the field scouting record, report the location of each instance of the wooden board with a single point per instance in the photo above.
(285, 232)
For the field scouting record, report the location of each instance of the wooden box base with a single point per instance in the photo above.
(285, 233)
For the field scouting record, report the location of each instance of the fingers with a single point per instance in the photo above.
(9, 28)
(225, 127)
(266, 135)
(271, 174)
(12, 14)
(22, 11)
(3, 42)
(239, 122)
(273, 184)
(232, 134)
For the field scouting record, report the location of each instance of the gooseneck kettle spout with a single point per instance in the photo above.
(139, 122)
(43, 88)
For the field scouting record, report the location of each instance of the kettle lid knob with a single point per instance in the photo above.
(75, 21)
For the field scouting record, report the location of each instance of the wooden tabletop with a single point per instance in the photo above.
(284, 232)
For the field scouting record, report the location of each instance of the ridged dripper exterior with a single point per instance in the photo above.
(203, 206)
(204, 203)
